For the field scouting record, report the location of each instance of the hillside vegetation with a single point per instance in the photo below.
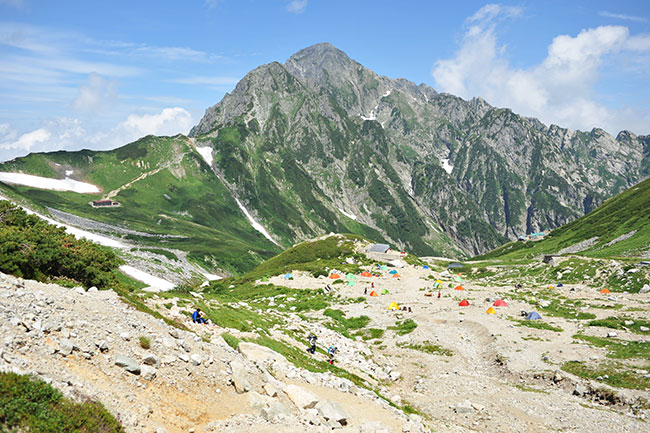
(28, 404)
(620, 227)
(32, 248)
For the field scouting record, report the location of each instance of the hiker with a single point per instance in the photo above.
(410, 311)
(365, 291)
(438, 295)
(196, 317)
(330, 352)
(372, 285)
(312, 342)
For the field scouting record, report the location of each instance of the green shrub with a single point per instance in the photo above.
(31, 248)
(145, 342)
(28, 404)
(405, 327)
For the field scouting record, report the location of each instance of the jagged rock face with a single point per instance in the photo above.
(430, 172)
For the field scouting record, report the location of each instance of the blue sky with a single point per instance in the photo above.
(84, 74)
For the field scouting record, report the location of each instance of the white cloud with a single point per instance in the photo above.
(93, 95)
(558, 90)
(170, 121)
(297, 6)
(608, 14)
(29, 140)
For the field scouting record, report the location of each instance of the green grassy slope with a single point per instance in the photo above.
(625, 215)
(180, 197)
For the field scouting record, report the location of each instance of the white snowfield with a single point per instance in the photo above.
(155, 284)
(206, 154)
(349, 215)
(66, 184)
(211, 277)
(257, 226)
(446, 166)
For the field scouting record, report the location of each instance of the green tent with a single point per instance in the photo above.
(384, 267)
(458, 279)
(352, 283)
(350, 276)
(385, 292)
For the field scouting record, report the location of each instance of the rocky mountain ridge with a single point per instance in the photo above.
(462, 170)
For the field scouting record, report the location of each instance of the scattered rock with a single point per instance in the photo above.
(300, 396)
(66, 346)
(196, 359)
(332, 411)
(259, 354)
(645, 289)
(151, 359)
(612, 334)
(274, 410)
(239, 377)
(129, 364)
(464, 407)
(147, 372)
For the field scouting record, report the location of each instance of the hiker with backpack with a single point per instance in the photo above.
(330, 352)
(312, 342)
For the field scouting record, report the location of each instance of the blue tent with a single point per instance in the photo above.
(533, 315)
(425, 267)
(560, 285)
(288, 276)
(393, 272)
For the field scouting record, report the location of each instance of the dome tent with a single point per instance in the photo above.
(533, 315)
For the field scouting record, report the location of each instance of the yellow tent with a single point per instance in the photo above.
(393, 306)
(490, 311)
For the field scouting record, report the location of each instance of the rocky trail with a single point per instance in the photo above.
(480, 372)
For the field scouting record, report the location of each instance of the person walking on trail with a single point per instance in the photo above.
(312, 343)
(330, 352)
(196, 317)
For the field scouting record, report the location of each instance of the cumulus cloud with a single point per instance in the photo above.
(95, 94)
(73, 134)
(558, 90)
(170, 121)
(297, 6)
(28, 140)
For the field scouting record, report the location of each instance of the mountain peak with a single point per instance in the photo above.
(320, 62)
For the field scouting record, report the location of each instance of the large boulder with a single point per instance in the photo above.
(129, 364)
(259, 354)
(148, 372)
(274, 409)
(332, 411)
(301, 397)
(239, 377)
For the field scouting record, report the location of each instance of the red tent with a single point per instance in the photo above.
(366, 274)
(605, 291)
(459, 287)
(500, 303)
(335, 276)
(464, 303)
(373, 293)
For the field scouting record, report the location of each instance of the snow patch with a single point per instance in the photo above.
(371, 117)
(349, 215)
(48, 183)
(211, 277)
(68, 173)
(155, 284)
(388, 92)
(206, 154)
(257, 226)
(446, 166)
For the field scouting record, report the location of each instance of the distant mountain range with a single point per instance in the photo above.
(321, 144)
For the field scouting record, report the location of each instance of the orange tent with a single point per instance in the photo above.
(366, 274)
(373, 293)
(459, 287)
(464, 303)
(605, 291)
(490, 311)
(397, 276)
(335, 276)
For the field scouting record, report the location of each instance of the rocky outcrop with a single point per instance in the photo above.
(426, 171)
